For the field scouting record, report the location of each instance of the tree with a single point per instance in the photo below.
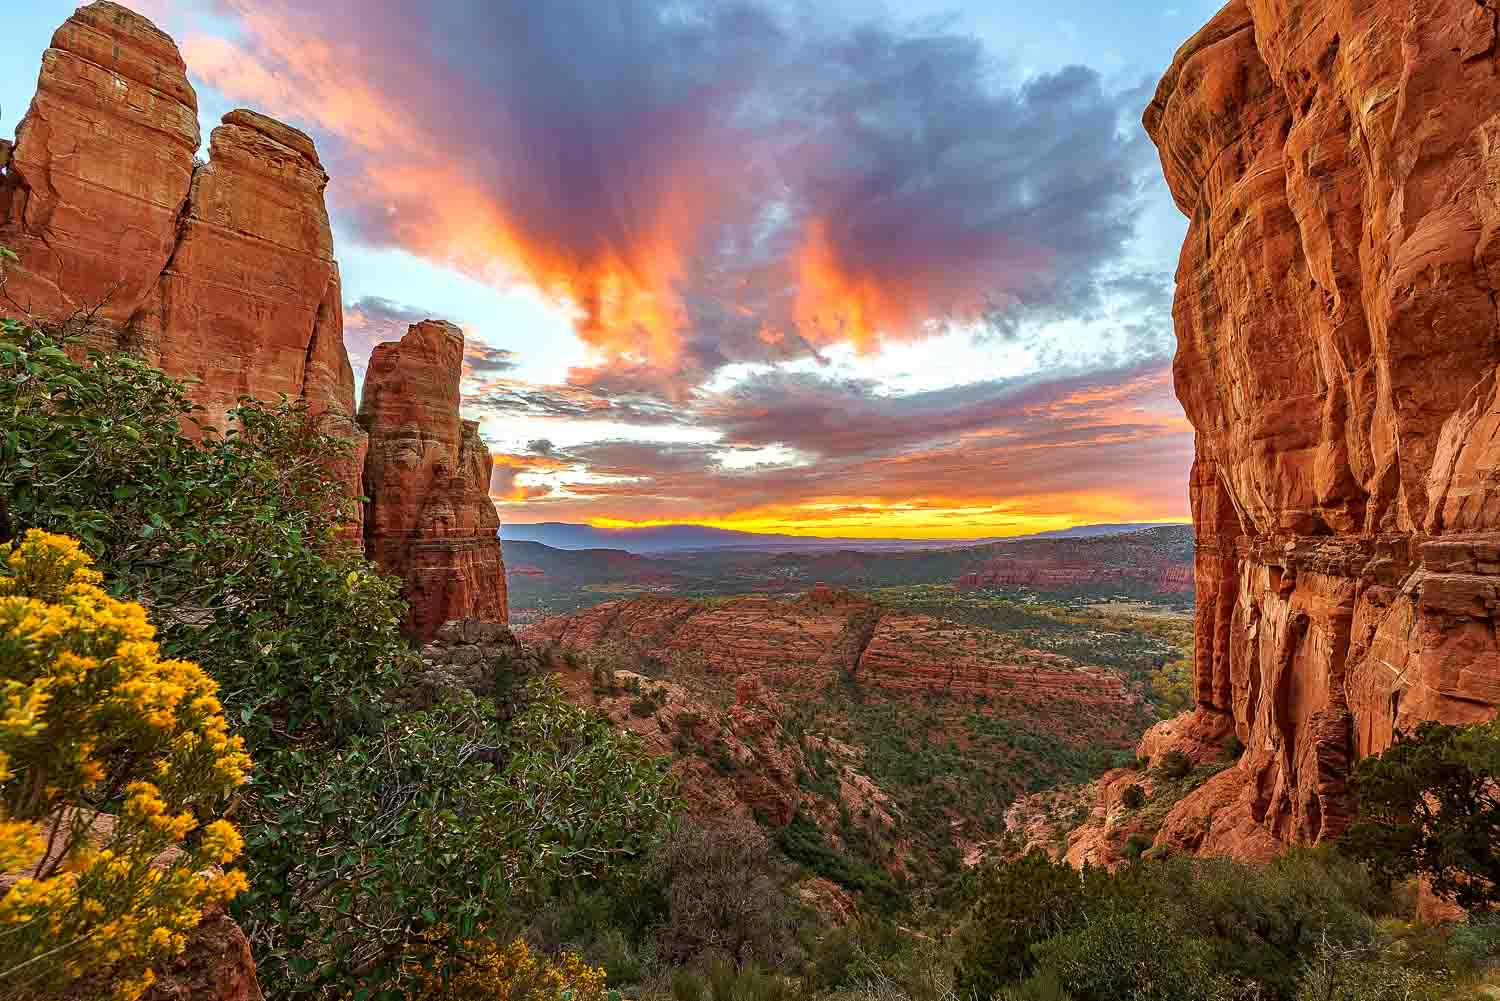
(1020, 904)
(1429, 805)
(719, 891)
(381, 844)
(114, 767)
(236, 533)
(393, 854)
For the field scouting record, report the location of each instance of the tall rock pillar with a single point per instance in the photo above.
(430, 520)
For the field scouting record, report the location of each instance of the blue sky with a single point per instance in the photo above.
(845, 268)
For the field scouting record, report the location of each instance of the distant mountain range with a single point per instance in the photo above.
(683, 538)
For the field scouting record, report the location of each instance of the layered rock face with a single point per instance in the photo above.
(100, 172)
(430, 518)
(1338, 347)
(831, 633)
(223, 272)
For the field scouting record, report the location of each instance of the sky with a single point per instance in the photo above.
(841, 268)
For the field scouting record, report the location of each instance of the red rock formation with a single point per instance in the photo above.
(430, 519)
(222, 273)
(1337, 354)
(101, 169)
(829, 632)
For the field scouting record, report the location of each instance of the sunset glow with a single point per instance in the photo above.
(752, 266)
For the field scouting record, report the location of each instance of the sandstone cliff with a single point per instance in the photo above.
(1337, 353)
(427, 474)
(222, 271)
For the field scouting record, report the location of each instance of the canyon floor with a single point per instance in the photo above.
(883, 713)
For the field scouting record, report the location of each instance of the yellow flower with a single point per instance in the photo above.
(82, 671)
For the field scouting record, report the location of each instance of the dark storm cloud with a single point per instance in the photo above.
(710, 182)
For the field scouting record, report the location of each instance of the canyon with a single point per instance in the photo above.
(222, 272)
(829, 634)
(1337, 356)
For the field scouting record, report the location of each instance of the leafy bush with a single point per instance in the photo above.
(102, 740)
(237, 534)
(1128, 954)
(1174, 765)
(1428, 805)
(1021, 903)
(1133, 797)
(404, 844)
(379, 844)
(1042, 929)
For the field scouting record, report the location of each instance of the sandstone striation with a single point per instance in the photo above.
(1337, 355)
(828, 634)
(100, 172)
(430, 519)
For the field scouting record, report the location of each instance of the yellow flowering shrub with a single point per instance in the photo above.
(112, 763)
(491, 972)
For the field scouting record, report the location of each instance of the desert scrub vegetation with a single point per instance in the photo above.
(1309, 926)
(115, 765)
(380, 844)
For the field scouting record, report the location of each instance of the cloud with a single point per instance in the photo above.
(833, 454)
(717, 181)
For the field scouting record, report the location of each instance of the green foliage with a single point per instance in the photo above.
(236, 533)
(1429, 806)
(1127, 954)
(379, 843)
(803, 842)
(1022, 903)
(1133, 797)
(1197, 928)
(406, 842)
(1174, 765)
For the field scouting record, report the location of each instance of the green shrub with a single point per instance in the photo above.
(1021, 904)
(1133, 797)
(1128, 954)
(1136, 845)
(1174, 765)
(1428, 805)
(402, 845)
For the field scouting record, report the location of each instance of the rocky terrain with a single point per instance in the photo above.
(1337, 354)
(826, 635)
(222, 271)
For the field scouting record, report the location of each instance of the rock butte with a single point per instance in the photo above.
(806, 642)
(1337, 354)
(223, 272)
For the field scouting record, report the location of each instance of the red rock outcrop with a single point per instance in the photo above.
(830, 633)
(100, 171)
(220, 272)
(430, 519)
(223, 272)
(1337, 354)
